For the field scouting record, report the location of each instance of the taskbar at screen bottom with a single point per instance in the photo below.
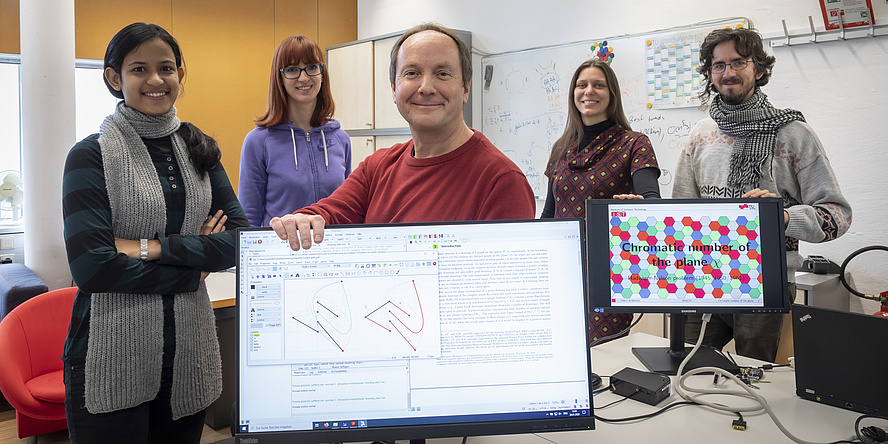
(247, 427)
(697, 311)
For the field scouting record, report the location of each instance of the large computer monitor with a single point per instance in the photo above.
(681, 256)
(385, 332)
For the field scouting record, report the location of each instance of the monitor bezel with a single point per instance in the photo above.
(428, 430)
(774, 258)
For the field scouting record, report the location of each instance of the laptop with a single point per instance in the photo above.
(399, 331)
(839, 357)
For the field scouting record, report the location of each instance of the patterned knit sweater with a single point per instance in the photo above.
(800, 173)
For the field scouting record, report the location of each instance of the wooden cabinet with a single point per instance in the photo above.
(351, 82)
(362, 147)
(385, 111)
(387, 141)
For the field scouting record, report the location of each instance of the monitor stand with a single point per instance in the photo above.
(666, 360)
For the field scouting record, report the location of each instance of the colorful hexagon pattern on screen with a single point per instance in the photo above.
(685, 257)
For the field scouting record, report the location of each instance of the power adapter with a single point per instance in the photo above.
(649, 388)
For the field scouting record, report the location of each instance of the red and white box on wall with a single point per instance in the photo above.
(846, 13)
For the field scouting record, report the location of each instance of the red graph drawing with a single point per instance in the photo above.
(399, 315)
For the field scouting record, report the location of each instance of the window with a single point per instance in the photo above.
(92, 103)
(10, 135)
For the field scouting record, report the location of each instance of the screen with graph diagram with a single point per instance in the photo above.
(394, 331)
(362, 306)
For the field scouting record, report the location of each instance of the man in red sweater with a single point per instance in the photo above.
(447, 172)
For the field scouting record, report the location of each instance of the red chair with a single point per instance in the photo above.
(31, 340)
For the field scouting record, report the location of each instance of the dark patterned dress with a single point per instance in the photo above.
(602, 169)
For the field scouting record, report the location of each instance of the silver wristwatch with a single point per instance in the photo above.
(143, 249)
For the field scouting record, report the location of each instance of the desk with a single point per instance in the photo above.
(692, 424)
(824, 290)
(221, 288)
(806, 420)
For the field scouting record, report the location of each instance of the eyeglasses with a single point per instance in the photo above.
(736, 65)
(293, 72)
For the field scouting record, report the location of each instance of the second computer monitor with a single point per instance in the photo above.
(686, 256)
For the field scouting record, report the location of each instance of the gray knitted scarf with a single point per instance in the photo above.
(754, 124)
(125, 345)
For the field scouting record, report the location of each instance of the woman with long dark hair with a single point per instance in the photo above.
(297, 154)
(598, 157)
(146, 207)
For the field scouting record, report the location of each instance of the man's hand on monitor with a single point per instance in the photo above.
(298, 228)
(628, 196)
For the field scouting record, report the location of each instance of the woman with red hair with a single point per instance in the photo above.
(297, 154)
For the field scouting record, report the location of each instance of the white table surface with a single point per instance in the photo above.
(807, 420)
(221, 288)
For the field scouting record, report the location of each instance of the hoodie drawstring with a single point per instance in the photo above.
(326, 161)
(295, 159)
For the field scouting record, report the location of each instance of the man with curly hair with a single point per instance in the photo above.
(749, 148)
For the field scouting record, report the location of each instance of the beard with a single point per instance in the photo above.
(738, 94)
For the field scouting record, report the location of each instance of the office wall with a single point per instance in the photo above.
(841, 87)
(227, 45)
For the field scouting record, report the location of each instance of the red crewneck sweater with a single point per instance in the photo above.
(474, 182)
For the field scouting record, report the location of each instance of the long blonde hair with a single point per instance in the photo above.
(573, 129)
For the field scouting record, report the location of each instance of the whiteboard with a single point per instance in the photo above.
(525, 95)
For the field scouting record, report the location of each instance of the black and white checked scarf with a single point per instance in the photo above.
(754, 124)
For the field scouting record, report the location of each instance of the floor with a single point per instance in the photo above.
(8, 434)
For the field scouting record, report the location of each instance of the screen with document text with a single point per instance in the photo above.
(410, 331)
